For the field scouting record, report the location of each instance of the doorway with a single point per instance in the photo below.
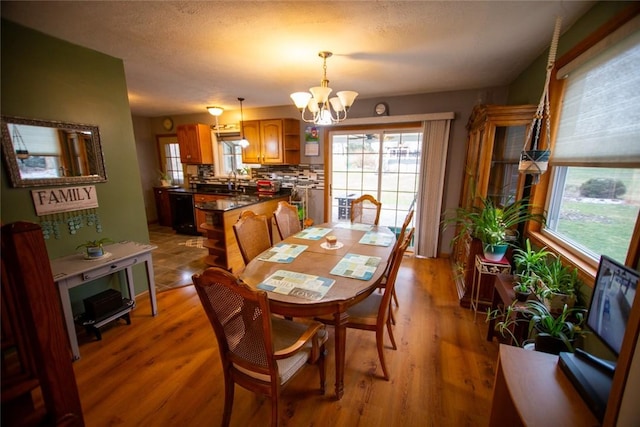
(383, 163)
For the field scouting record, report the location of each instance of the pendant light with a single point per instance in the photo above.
(243, 142)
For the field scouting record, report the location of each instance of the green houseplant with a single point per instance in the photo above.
(492, 224)
(550, 332)
(529, 263)
(94, 248)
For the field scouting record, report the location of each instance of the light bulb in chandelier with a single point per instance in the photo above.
(322, 109)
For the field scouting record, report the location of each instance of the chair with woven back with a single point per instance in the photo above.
(287, 221)
(372, 313)
(365, 210)
(403, 231)
(258, 351)
(253, 235)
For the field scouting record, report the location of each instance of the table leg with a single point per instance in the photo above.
(132, 291)
(68, 318)
(152, 284)
(340, 344)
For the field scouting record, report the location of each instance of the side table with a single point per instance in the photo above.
(484, 267)
(504, 295)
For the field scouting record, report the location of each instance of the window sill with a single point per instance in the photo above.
(587, 269)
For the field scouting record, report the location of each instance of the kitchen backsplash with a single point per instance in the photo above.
(309, 176)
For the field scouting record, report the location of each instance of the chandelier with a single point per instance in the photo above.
(324, 110)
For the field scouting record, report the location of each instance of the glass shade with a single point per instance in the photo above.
(347, 97)
(320, 93)
(336, 104)
(215, 111)
(301, 99)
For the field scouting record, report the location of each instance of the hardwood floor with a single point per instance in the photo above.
(165, 370)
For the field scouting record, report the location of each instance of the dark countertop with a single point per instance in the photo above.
(234, 202)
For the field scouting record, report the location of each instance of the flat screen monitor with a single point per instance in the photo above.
(613, 293)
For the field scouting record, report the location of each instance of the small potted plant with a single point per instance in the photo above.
(559, 286)
(94, 248)
(165, 179)
(494, 225)
(528, 265)
(551, 332)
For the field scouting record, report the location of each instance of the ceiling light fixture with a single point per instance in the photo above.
(215, 111)
(243, 142)
(324, 110)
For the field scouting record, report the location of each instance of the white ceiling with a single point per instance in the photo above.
(182, 56)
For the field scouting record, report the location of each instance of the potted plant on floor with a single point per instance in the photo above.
(492, 224)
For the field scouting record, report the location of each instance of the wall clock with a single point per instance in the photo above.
(381, 109)
(167, 123)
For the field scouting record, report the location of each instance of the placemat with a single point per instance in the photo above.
(282, 252)
(313, 233)
(377, 239)
(297, 284)
(356, 266)
(354, 226)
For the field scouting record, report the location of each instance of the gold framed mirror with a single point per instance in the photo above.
(44, 152)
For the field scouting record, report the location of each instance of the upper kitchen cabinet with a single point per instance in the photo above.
(272, 142)
(195, 144)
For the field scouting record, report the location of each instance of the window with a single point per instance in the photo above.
(170, 158)
(594, 194)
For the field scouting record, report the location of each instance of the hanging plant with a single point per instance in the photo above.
(535, 161)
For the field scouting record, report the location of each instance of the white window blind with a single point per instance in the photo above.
(38, 140)
(600, 117)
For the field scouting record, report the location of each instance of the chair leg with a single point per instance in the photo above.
(274, 411)
(391, 337)
(395, 297)
(391, 315)
(321, 368)
(380, 345)
(229, 387)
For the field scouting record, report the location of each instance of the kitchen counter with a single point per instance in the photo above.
(221, 214)
(235, 202)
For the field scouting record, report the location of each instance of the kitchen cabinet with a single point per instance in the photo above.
(163, 205)
(200, 214)
(272, 142)
(495, 140)
(195, 144)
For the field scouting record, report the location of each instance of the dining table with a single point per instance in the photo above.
(306, 277)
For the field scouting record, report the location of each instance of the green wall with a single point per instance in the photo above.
(527, 87)
(47, 78)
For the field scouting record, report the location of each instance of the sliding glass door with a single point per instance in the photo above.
(383, 163)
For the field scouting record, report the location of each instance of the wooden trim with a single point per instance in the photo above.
(623, 366)
(607, 28)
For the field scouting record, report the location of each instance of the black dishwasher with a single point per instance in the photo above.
(183, 214)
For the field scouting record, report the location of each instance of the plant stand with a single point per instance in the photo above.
(485, 267)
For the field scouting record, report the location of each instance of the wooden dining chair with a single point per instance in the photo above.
(252, 234)
(372, 313)
(258, 351)
(287, 221)
(400, 238)
(366, 210)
